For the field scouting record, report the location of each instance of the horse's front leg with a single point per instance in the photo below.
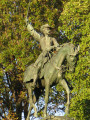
(66, 87)
(46, 97)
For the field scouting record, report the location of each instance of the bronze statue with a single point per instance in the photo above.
(48, 69)
(51, 73)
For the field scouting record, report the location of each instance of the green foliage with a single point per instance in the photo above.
(18, 49)
(15, 52)
(75, 23)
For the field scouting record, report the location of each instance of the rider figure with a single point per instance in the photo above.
(47, 43)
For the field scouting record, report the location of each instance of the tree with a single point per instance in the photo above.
(18, 50)
(75, 25)
(15, 52)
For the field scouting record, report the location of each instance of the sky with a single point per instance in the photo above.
(51, 109)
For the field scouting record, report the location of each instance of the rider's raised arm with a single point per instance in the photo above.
(35, 35)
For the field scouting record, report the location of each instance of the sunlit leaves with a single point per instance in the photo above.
(75, 24)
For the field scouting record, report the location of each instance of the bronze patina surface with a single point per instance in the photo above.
(48, 68)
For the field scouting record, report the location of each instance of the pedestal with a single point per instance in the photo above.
(57, 118)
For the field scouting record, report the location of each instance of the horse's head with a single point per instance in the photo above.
(71, 56)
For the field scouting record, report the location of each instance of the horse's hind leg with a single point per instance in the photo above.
(29, 113)
(66, 87)
(31, 103)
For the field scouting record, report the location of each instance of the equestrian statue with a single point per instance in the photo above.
(48, 69)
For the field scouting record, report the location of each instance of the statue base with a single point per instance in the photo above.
(57, 118)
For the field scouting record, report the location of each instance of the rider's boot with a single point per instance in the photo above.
(34, 80)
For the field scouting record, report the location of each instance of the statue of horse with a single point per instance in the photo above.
(52, 73)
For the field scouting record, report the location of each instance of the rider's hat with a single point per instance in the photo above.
(44, 26)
